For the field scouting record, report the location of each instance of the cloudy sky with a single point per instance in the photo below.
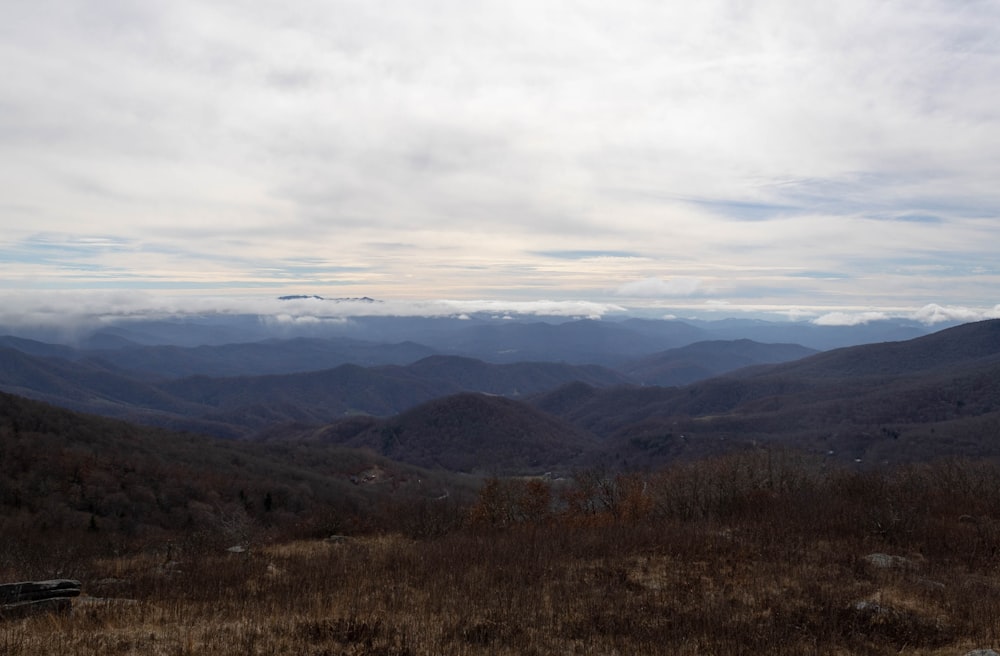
(835, 159)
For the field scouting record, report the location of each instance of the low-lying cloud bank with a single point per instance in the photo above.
(930, 314)
(96, 308)
(934, 313)
(83, 312)
(849, 318)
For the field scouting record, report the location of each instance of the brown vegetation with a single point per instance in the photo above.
(762, 552)
(469, 432)
(99, 481)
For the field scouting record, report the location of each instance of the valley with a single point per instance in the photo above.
(430, 502)
(875, 404)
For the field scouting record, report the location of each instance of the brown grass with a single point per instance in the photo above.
(739, 556)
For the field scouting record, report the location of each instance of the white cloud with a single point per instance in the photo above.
(931, 313)
(934, 313)
(302, 320)
(91, 309)
(211, 143)
(797, 314)
(536, 308)
(849, 318)
(73, 314)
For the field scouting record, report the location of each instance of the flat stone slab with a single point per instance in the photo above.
(12, 593)
(886, 561)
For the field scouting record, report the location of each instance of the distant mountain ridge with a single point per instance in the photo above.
(219, 389)
(701, 360)
(583, 341)
(897, 401)
(259, 358)
(482, 335)
(270, 356)
(936, 395)
(950, 347)
(73, 472)
(470, 433)
(240, 405)
(941, 397)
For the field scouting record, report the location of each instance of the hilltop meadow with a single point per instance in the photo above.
(757, 552)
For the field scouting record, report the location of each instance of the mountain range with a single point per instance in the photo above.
(936, 394)
(65, 470)
(195, 388)
(875, 404)
(483, 336)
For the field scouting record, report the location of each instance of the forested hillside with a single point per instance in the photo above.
(63, 472)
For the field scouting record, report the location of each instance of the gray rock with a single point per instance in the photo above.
(869, 608)
(337, 538)
(928, 584)
(11, 593)
(982, 652)
(886, 561)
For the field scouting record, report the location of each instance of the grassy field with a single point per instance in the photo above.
(744, 555)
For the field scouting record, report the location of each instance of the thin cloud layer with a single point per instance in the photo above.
(71, 315)
(659, 288)
(849, 319)
(776, 154)
(90, 309)
(932, 314)
(929, 314)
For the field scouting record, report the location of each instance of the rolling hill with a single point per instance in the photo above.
(917, 400)
(469, 433)
(239, 406)
(934, 395)
(948, 348)
(81, 474)
(898, 401)
(583, 341)
(701, 360)
(258, 358)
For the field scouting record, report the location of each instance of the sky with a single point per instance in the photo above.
(837, 162)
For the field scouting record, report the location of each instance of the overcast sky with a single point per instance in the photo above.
(822, 159)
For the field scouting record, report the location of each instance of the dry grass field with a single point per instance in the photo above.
(743, 555)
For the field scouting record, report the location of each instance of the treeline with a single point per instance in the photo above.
(101, 484)
(948, 508)
(757, 552)
(70, 479)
